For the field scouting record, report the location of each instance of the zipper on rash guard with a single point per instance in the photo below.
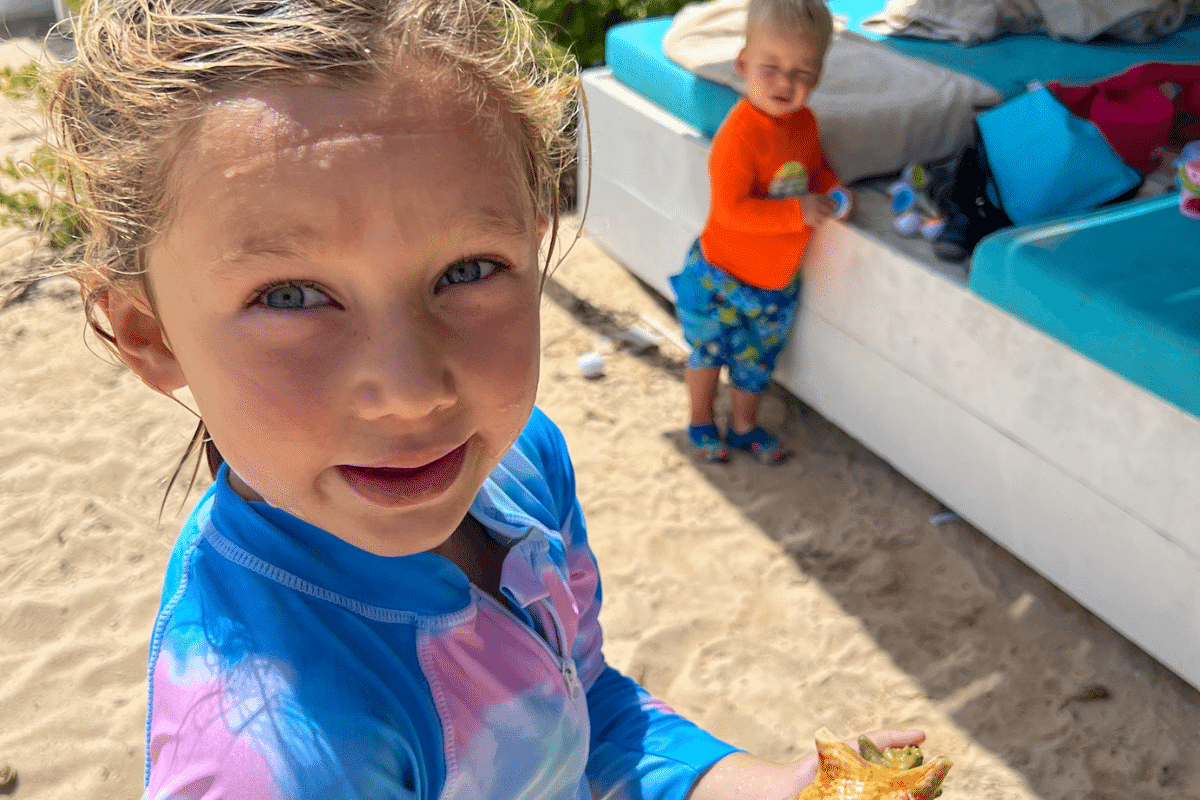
(567, 665)
(557, 651)
(570, 675)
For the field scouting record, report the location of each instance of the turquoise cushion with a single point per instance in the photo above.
(633, 51)
(1120, 285)
(1009, 63)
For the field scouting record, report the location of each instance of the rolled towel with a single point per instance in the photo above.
(966, 21)
(1155, 23)
(1168, 17)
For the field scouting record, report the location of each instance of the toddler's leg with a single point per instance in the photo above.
(744, 433)
(703, 433)
(703, 315)
(702, 393)
(757, 348)
(745, 411)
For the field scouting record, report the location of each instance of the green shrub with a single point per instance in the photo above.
(19, 83)
(26, 208)
(579, 25)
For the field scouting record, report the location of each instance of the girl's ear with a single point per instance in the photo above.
(140, 340)
(739, 64)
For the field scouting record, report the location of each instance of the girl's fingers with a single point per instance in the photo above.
(805, 768)
(892, 738)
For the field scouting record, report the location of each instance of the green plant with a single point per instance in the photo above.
(25, 208)
(60, 221)
(580, 25)
(19, 83)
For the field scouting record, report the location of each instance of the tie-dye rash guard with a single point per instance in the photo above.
(286, 663)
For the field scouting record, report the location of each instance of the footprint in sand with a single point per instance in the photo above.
(8, 779)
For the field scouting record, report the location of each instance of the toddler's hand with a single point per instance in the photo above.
(817, 209)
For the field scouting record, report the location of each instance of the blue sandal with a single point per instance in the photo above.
(706, 441)
(758, 443)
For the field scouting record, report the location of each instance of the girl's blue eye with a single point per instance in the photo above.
(468, 271)
(293, 295)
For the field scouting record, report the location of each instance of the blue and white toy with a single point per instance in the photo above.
(845, 203)
(914, 213)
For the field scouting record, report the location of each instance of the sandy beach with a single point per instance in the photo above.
(761, 602)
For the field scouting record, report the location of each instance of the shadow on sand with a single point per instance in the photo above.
(996, 609)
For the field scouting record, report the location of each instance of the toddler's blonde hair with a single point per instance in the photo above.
(807, 17)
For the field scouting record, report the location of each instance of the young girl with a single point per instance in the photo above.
(324, 218)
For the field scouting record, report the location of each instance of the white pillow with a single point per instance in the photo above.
(878, 110)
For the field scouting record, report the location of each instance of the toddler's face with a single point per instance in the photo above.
(781, 69)
(349, 286)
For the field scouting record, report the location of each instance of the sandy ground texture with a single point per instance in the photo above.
(762, 602)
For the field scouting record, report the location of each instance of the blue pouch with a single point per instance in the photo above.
(1047, 162)
(694, 308)
(689, 292)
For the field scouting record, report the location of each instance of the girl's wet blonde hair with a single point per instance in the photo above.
(144, 69)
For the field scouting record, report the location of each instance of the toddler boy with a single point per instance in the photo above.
(737, 293)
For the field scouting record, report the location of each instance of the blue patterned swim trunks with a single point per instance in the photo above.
(730, 323)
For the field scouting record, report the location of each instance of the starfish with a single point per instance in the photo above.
(843, 774)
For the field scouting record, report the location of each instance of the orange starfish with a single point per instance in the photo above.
(843, 774)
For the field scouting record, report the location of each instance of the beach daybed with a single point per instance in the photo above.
(1048, 390)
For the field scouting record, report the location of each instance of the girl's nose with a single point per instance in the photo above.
(401, 370)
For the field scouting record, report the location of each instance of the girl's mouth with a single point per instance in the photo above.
(395, 487)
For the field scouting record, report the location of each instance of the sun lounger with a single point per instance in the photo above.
(1050, 398)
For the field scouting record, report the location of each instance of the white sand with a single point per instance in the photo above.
(761, 602)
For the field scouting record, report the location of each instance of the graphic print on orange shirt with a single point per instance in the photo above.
(790, 180)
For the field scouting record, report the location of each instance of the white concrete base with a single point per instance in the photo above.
(25, 9)
(1089, 479)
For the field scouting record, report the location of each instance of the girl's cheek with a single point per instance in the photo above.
(511, 342)
(292, 375)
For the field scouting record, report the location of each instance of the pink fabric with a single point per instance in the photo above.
(1133, 112)
(194, 743)
(473, 691)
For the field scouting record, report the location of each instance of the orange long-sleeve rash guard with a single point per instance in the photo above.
(759, 167)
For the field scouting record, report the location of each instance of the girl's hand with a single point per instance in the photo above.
(741, 776)
(817, 209)
(805, 769)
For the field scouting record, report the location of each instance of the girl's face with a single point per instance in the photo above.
(348, 283)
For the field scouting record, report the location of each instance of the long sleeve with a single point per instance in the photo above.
(641, 749)
(736, 205)
(823, 178)
(759, 169)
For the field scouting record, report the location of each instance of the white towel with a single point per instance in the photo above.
(1153, 23)
(878, 110)
(966, 21)
(974, 21)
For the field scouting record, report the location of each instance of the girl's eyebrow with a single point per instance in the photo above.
(294, 237)
(289, 241)
(499, 219)
(294, 240)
